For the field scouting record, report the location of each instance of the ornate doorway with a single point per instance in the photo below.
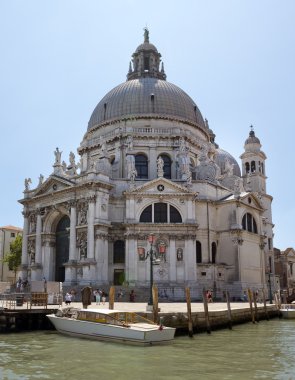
(62, 248)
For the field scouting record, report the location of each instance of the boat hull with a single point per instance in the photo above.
(141, 334)
(288, 313)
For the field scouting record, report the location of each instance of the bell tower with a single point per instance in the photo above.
(253, 164)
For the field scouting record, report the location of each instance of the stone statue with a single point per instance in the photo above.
(129, 143)
(146, 34)
(57, 154)
(72, 159)
(130, 160)
(41, 179)
(160, 166)
(73, 166)
(103, 148)
(27, 183)
(229, 168)
(133, 175)
(64, 166)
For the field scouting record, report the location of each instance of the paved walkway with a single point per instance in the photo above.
(173, 307)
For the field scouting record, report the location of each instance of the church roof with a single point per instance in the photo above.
(146, 97)
(146, 93)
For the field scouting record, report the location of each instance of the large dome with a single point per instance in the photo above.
(148, 96)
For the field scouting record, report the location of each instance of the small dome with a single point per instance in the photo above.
(146, 46)
(252, 139)
(220, 158)
(150, 97)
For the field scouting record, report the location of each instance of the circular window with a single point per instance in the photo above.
(160, 187)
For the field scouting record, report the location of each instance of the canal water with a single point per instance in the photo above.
(265, 350)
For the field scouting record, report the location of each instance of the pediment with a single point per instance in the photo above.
(290, 253)
(160, 186)
(250, 199)
(53, 184)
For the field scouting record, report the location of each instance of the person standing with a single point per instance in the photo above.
(103, 297)
(132, 296)
(97, 296)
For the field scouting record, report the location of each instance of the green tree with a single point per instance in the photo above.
(14, 256)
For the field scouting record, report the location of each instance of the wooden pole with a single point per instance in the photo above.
(251, 306)
(111, 298)
(155, 304)
(264, 305)
(205, 301)
(228, 310)
(255, 305)
(189, 312)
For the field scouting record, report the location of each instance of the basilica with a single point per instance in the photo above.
(150, 190)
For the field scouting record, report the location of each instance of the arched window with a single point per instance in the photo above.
(247, 167)
(167, 165)
(198, 252)
(175, 216)
(160, 213)
(141, 166)
(119, 252)
(213, 252)
(253, 167)
(249, 223)
(146, 215)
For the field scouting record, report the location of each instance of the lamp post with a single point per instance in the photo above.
(152, 254)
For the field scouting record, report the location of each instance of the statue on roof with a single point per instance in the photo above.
(41, 179)
(28, 181)
(57, 154)
(146, 34)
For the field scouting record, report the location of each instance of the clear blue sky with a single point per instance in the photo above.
(59, 58)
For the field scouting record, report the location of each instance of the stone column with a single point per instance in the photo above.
(90, 227)
(36, 267)
(105, 264)
(131, 259)
(25, 259)
(73, 243)
(172, 260)
(190, 263)
(38, 248)
(153, 163)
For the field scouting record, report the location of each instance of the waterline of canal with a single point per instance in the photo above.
(265, 350)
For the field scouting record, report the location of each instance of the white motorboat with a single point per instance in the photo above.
(110, 325)
(288, 311)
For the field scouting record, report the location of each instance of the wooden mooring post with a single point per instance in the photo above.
(111, 297)
(264, 305)
(228, 310)
(155, 304)
(189, 312)
(251, 306)
(205, 301)
(255, 306)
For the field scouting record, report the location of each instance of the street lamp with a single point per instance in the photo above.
(154, 260)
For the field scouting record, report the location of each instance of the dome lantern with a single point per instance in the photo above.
(146, 61)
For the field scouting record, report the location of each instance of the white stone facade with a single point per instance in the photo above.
(88, 223)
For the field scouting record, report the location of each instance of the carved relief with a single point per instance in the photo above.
(82, 244)
(31, 250)
(33, 222)
(83, 211)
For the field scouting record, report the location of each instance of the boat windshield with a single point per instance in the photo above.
(116, 318)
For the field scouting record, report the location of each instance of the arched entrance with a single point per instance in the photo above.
(62, 247)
